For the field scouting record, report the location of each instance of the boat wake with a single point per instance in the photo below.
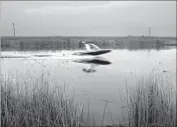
(43, 56)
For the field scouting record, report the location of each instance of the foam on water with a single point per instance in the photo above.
(65, 55)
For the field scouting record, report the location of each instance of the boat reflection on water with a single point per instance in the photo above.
(94, 62)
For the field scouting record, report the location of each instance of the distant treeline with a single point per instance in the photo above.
(74, 43)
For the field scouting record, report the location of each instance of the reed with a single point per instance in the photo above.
(152, 103)
(40, 107)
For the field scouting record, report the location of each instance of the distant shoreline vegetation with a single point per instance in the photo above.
(28, 43)
(152, 37)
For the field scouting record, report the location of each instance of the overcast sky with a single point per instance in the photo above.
(89, 18)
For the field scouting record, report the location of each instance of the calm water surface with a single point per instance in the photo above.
(106, 82)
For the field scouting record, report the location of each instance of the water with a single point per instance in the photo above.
(95, 82)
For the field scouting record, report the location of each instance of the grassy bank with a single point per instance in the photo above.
(73, 43)
(150, 104)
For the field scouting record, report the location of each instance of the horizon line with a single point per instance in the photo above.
(88, 36)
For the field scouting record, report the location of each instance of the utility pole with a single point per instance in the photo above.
(149, 31)
(13, 28)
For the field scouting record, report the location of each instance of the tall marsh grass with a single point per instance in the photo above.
(39, 108)
(152, 103)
